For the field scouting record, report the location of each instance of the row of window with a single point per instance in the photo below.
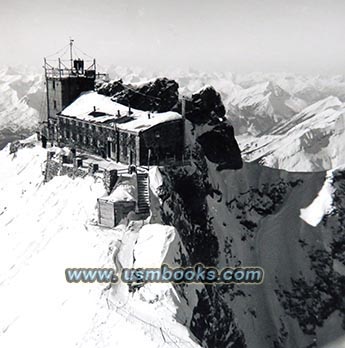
(84, 139)
(66, 121)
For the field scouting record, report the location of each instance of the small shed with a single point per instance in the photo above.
(122, 200)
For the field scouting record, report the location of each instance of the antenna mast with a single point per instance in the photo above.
(71, 51)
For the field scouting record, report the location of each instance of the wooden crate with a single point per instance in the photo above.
(106, 213)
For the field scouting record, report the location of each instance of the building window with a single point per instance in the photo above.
(54, 104)
(124, 144)
(53, 84)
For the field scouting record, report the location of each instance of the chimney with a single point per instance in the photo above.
(73, 153)
(93, 168)
(77, 162)
(94, 109)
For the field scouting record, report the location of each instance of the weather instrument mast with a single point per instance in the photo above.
(71, 51)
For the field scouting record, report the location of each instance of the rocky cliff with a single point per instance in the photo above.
(227, 215)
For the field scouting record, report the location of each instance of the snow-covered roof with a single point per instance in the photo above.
(125, 190)
(83, 107)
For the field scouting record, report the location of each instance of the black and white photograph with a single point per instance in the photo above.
(172, 174)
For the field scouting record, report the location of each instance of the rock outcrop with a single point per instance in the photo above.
(111, 88)
(206, 112)
(205, 107)
(220, 146)
(159, 95)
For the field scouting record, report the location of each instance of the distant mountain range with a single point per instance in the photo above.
(258, 108)
(312, 140)
(21, 102)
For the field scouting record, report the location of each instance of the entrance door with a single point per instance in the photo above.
(113, 151)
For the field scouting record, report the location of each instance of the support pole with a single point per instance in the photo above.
(60, 70)
(71, 52)
(47, 95)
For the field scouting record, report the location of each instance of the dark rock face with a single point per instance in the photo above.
(110, 88)
(313, 302)
(218, 143)
(220, 146)
(160, 95)
(185, 195)
(213, 321)
(206, 106)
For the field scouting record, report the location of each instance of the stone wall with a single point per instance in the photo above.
(56, 167)
(73, 167)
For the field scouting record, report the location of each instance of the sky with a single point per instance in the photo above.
(304, 36)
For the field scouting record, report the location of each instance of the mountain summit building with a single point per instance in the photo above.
(80, 118)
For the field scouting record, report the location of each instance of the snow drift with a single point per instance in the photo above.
(45, 228)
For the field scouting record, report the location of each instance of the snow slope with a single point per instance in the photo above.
(45, 228)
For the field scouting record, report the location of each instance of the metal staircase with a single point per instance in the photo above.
(143, 203)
